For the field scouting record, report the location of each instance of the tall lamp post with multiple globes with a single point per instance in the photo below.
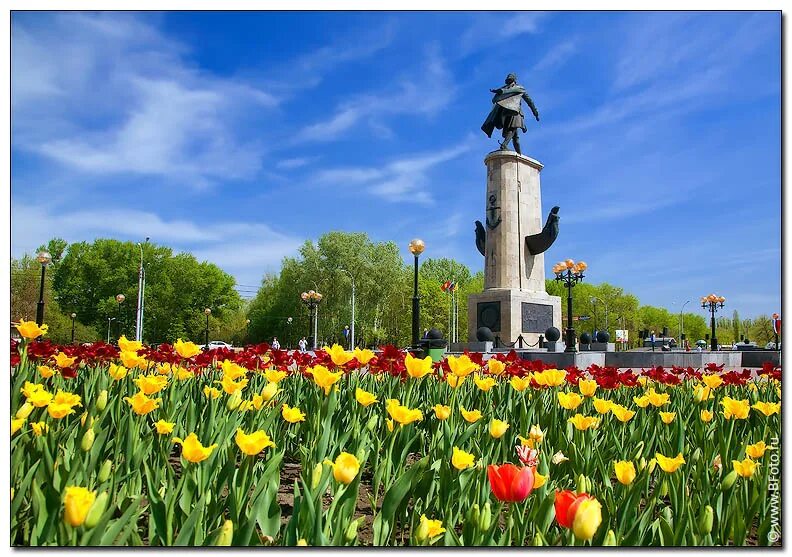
(311, 299)
(73, 316)
(207, 313)
(120, 299)
(45, 259)
(416, 248)
(712, 303)
(569, 274)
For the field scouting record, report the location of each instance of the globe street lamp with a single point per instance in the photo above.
(776, 328)
(569, 273)
(247, 331)
(712, 303)
(45, 259)
(311, 299)
(416, 247)
(120, 299)
(289, 322)
(73, 315)
(207, 312)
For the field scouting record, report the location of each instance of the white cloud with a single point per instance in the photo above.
(487, 30)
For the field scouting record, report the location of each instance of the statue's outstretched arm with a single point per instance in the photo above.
(531, 105)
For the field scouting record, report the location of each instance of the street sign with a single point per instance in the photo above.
(622, 335)
(583, 317)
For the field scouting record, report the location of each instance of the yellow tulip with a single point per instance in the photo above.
(658, 399)
(151, 384)
(233, 370)
(364, 397)
(16, 424)
(603, 406)
(363, 356)
(77, 502)
(668, 464)
(712, 381)
(746, 468)
(495, 367)
(183, 374)
(737, 409)
(193, 450)
(230, 386)
(768, 408)
(484, 383)
(642, 401)
(587, 387)
(622, 413)
(536, 434)
(46, 372)
(584, 423)
(462, 460)
(324, 378)
(292, 415)
(441, 411)
(253, 443)
(141, 404)
(30, 330)
(166, 368)
(471, 416)
(702, 393)
(132, 360)
(211, 392)
(461, 366)
(163, 427)
(274, 375)
(29, 388)
(338, 355)
(117, 372)
(402, 414)
(706, 416)
(520, 383)
(129, 345)
(24, 411)
(454, 381)
(550, 377)
(389, 424)
(587, 519)
(345, 468)
(569, 401)
(497, 428)
(539, 480)
(757, 450)
(59, 410)
(39, 428)
(417, 368)
(667, 417)
(428, 529)
(625, 471)
(185, 349)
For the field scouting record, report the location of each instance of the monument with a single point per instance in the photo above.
(512, 240)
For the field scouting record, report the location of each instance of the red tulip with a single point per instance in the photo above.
(566, 504)
(509, 482)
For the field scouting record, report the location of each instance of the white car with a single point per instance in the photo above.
(215, 344)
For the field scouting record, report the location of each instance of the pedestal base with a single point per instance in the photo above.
(510, 312)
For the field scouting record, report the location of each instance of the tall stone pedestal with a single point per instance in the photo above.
(514, 301)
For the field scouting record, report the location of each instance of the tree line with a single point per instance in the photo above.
(85, 278)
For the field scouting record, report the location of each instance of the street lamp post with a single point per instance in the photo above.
(311, 299)
(712, 303)
(73, 315)
(207, 312)
(416, 247)
(109, 319)
(45, 259)
(569, 273)
(596, 300)
(352, 332)
(141, 296)
(682, 322)
(120, 299)
(247, 331)
(289, 322)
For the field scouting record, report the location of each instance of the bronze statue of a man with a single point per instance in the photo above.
(507, 114)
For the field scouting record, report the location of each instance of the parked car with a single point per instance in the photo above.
(215, 344)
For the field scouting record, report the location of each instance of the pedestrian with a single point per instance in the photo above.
(302, 344)
(275, 344)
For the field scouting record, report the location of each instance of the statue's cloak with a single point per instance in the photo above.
(506, 110)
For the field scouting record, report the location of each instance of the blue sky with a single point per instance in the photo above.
(239, 135)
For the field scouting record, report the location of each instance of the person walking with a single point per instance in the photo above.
(275, 344)
(302, 344)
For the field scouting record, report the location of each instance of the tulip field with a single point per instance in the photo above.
(130, 445)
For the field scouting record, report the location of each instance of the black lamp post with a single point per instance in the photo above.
(289, 322)
(311, 299)
(120, 299)
(73, 315)
(416, 247)
(45, 259)
(207, 312)
(712, 303)
(247, 331)
(569, 274)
